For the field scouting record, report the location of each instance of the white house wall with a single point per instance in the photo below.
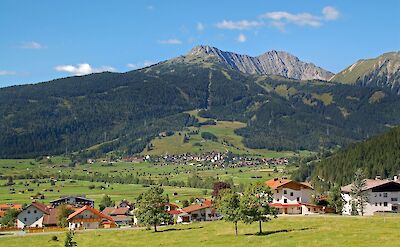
(377, 201)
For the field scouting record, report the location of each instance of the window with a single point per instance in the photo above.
(284, 200)
(34, 211)
(308, 209)
(284, 192)
(394, 199)
(376, 204)
(380, 204)
(384, 194)
(298, 199)
(385, 204)
(291, 193)
(29, 211)
(24, 219)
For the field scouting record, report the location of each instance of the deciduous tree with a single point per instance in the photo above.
(150, 207)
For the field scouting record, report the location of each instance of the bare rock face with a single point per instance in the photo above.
(382, 71)
(270, 63)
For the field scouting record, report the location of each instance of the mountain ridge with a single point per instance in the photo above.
(381, 71)
(269, 63)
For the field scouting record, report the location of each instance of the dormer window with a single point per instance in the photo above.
(29, 212)
(284, 192)
(291, 193)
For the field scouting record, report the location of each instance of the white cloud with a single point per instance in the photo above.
(170, 42)
(7, 72)
(200, 27)
(238, 25)
(330, 13)
(132, 66)
(241, 38)
(150, 7)
(146, 63)
(83, 69)
(31, 45)
(280, 19)
(302, 19)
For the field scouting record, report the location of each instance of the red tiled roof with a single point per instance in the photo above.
(4, 207)
(279, 182)
(79, 211)
(195, 207)
(175, 212)
(41, 207)
(115, 211)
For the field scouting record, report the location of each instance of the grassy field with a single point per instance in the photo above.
(227, 141)
(284, 231)
(117, 192)
(59, 165)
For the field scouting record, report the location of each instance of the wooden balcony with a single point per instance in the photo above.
(86, 220)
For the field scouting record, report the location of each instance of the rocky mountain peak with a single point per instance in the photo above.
(269, 63)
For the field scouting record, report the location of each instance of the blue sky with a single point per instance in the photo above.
(44, 40)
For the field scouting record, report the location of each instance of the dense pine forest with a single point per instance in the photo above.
(124, 111)
(378, 156)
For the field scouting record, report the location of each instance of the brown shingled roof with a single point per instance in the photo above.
(41, 207)
(369, 184)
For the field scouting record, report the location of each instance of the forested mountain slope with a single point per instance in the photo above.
(126, 110)
(378, 156)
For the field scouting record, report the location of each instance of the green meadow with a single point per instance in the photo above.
(228, 140)
(304, 231)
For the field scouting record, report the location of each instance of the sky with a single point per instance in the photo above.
(47, 39)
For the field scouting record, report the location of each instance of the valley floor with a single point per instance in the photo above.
(285, 231)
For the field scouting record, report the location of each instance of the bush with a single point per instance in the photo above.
(91, 187)
(209, 136)
(54, 238)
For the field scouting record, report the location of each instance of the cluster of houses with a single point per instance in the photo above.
(289, 198)
(219, 159)
(86, 216)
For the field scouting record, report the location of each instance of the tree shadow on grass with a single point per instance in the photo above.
(266, 233)
(179, 229)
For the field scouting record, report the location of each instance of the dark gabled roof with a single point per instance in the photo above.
(66, 197)
(369, 184)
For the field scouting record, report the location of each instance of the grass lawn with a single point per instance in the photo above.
(284, 231)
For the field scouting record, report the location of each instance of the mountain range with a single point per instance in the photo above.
(270, 63)
(125, 111)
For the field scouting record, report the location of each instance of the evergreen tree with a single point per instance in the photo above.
(335, 199)
(357, 191)
(69, 239)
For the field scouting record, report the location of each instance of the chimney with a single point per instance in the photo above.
(378, 177)
(395, 178)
